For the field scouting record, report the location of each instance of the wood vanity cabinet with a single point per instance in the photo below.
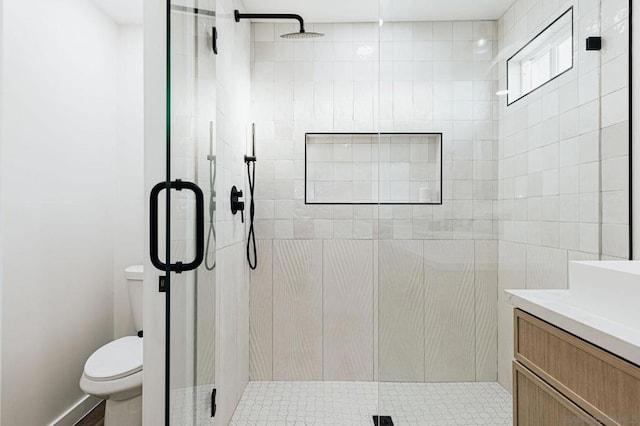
(560, 379)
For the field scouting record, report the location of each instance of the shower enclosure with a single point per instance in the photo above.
(397, 194)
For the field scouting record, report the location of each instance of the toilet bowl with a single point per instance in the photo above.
(114, 371)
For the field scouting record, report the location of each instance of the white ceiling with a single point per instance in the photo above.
(129, 12)
(125, 12)
(390, 10)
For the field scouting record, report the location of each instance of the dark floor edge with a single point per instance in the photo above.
(95, 417)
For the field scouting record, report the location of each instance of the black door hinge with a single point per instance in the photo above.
(161, 284)
(214, 39)
(213, 403)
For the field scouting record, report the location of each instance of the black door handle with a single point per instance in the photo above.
(178, 185)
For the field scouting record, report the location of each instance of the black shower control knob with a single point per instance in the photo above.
(236, 204)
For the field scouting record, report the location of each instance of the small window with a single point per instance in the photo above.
(544, 58)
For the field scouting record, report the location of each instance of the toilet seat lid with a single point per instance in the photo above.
(116, 359)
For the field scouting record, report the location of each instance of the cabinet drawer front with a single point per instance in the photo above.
(535, 403)
(602, 384)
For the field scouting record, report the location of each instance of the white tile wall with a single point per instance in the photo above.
(348, 310)
(401, 307)
(297, 310)
(232, 315)
(511, 275)
(536, 179)
(318, 312)
(486, 309)
(261, 314)
(433, 77)
(450, 309)
(444, 85)
(556, 162)
(563, 157)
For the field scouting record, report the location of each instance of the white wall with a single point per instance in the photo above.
(71, 154)
(129, 214)
(154, 160)
(58, 150)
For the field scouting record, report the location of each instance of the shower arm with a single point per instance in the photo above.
(240, 16)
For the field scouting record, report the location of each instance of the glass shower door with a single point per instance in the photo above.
(191, 173)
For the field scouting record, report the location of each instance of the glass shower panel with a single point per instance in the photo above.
(527, 186)
(580, 179)
(437, 264)
(192, 90)
(615, 151)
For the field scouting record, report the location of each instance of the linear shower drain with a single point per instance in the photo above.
(382, 421)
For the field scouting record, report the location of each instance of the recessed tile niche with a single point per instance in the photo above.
(373, 168)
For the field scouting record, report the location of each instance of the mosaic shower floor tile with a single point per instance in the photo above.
(355, 403)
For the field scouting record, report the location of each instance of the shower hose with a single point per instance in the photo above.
(251, 238)
(211, 234)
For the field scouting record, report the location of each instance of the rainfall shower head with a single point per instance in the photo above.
(302, 34)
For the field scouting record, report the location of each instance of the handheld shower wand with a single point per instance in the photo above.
(251, 175)
(210, 264)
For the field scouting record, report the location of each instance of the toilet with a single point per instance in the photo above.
(114, 371)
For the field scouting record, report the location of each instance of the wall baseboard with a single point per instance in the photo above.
(81, 408)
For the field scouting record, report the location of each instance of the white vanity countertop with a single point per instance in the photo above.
(554, 307)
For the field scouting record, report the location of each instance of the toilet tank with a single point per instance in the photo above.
(135, 275)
